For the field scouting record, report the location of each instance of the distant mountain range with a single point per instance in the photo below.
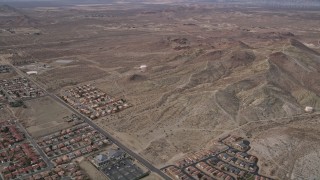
(269, 3)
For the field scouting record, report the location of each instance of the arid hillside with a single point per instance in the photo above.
(210, 70)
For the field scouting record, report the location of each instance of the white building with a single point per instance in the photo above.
(309, 109)
(32, 72)
(100, 160)
(111, 155)
(143, 68)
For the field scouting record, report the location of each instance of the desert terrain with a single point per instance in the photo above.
(212, 69)
(43, 116)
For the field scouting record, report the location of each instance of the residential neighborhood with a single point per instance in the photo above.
(19, 158)
(19, 89)
(176, 173)
(10, 134)
(58, 155)
(228, 162)
(63, 146)
(5, 68)
(68, 171)
(92, 102)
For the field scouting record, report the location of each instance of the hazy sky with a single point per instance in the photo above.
(270, 2)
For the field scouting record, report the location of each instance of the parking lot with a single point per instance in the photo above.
(123, 170)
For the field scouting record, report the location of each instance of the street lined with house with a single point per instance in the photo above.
(19, 155)
(82, 140)
(229, 160)
(92, 102)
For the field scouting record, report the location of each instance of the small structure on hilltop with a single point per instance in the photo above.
(143, 68)
(309, 109)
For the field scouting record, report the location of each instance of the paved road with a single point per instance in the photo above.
(194, 164)
(115, 141)
(35, 145)
(91, 123)
(215, 155)
(42, 154)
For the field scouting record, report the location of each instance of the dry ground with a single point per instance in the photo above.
(43, 116)
(287, 149)
(92, 171)
(8, 75)
(211, 70)
(152, 176)
(5, 114)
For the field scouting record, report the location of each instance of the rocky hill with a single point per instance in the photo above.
(219, 90)
(11, 17)
(211, 70)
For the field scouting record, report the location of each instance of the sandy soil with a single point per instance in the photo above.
(290, 150)
(212, 70)
(92, 171)
(152, 176)
(43, 116)
(5, 114)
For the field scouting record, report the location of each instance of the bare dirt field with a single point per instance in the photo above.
(92, 171)
(8, 75)
(5, 114)
(43, 116)
(212, 69)
(152, 176)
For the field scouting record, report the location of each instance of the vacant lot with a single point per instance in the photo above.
(8, 75)
(64, 76)
(92, 171)
(43, 116)
(5, 114)
(211, 70)
(152, 176)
